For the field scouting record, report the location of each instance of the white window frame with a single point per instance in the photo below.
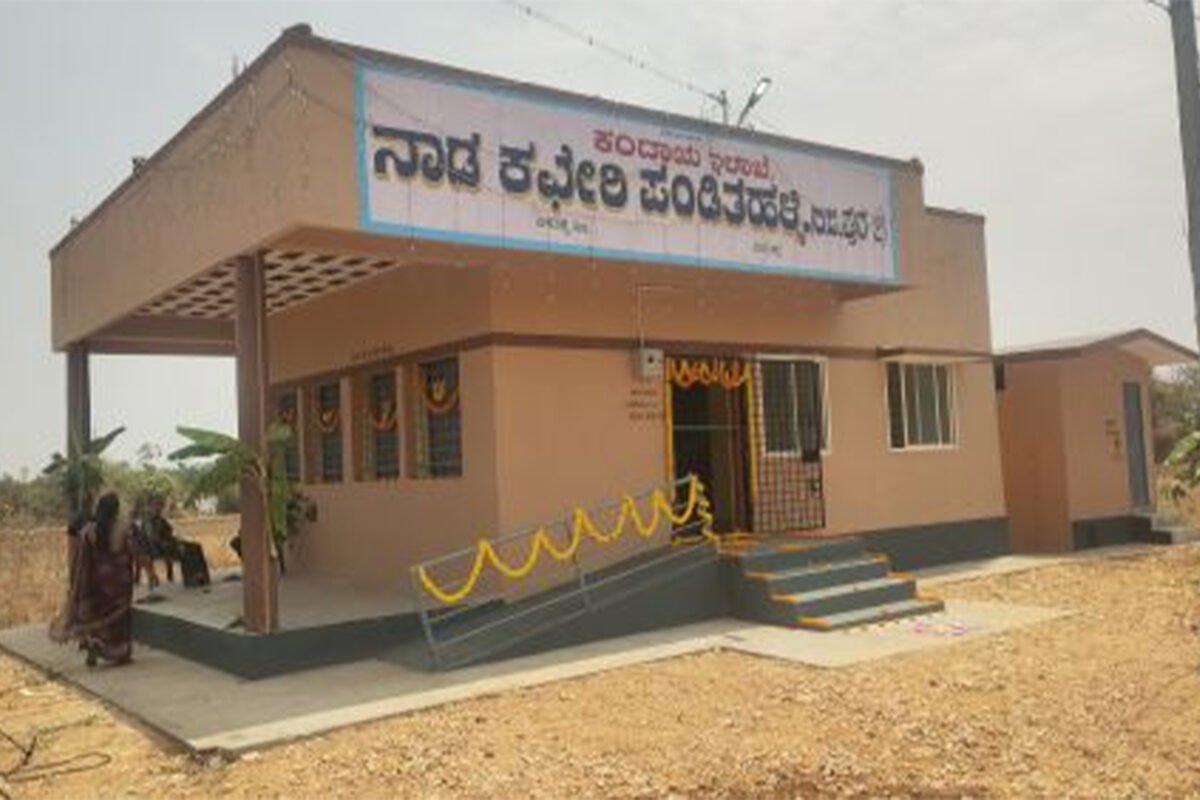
(822, 363)
(951, 394)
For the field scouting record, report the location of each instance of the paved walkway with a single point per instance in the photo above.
(969, 570)
(204, 708)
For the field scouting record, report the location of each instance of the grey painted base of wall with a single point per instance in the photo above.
(681, 594)
(1104, 531)
(696, 590)
(262, 656)
(941, 543)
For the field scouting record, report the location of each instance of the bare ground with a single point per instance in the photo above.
(1104, 703)
(33, 564)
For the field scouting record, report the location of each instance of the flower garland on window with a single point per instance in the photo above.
(383, 419)
(728, 375)
(439, 398)
(329, 420)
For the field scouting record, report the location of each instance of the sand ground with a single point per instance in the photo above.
(1102, 703)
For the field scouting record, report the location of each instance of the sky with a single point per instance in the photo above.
(1054, 118)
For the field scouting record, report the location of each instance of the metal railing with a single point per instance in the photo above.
(501, 611)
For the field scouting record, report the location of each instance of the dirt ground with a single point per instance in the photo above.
(33, 565)
(1103, 703)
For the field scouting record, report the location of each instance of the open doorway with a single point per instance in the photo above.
(709, 438)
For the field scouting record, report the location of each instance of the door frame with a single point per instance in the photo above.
(1136, 469)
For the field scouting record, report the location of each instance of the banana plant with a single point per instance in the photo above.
(231, 459)
(80, 473)
(1183, 467)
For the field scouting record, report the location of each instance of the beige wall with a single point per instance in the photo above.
(264, 160)
(567, 434)
(945, 305)
(407, 309)
(544, 428)
(1062, 433)
(1034, 458)
(870, 487)
(371, 531)
(1094, 432)
(562, 431)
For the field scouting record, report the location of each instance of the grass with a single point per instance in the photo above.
(33, 563)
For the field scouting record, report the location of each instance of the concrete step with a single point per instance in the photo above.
(779, 556)
(824, 574)
(1175, 534)
(847, 597)
(872, 614)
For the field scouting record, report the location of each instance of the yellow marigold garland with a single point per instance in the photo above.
(438, 399)
(697, 508)
(329, 420)
(727, 374)
(385, 419)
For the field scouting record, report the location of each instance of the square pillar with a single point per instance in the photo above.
(79, 408)
(260, 603)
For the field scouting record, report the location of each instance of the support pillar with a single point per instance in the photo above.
(260, 605)
(79, 408)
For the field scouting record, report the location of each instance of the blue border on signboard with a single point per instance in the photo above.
(371, 225)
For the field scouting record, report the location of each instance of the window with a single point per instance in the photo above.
(286, 413)
(920, 402)
(382, 441)
(793, 407)
(437, 420)
(329, 428)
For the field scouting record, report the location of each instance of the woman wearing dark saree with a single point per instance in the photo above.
(99, 608)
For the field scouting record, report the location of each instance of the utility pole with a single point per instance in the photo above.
(1187, 88)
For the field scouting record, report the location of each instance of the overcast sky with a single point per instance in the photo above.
(1054, 118)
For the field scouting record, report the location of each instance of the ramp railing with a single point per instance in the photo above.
(486, 597)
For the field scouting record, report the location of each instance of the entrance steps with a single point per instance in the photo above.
(819, 585)
(1167, 530)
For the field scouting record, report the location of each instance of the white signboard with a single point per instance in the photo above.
(505, 168)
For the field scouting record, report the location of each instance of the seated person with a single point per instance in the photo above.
(154, 540)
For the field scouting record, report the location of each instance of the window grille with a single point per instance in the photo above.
(329, 426)
(383, 450)
(920, 405)
(788, 414)
(437, 420)
(794, 393)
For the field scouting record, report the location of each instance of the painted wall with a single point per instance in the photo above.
(411, 308)
(1094, 432)
(269, 169)
(563, 433)
(262, 161)
(944, 304)
(1062, 434)
(1034, 457)
(871, 487)
(371, 531)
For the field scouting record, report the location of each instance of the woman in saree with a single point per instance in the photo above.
(99, 609)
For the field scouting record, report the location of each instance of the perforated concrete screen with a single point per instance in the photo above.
(292, 277)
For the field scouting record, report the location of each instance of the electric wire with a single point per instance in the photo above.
(608, 49)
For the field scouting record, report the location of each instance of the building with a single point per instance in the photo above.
(482, 303)
(1075, 436)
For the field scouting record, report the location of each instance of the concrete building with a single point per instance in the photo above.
(482, 303)
(1075, 434)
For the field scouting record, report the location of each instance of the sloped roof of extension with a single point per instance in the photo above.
(1150, 347)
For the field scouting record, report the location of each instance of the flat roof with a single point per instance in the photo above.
(301, 35)
(1152, 348)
